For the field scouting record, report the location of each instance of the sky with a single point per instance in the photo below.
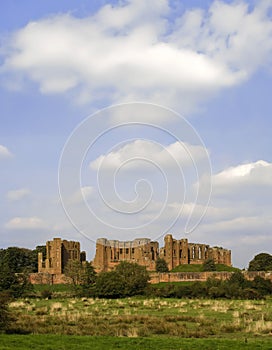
(131, 119)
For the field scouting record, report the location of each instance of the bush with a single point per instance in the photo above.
(46, 294)
(127, 279)
(261, 262)
(5, 315)
(161, 265)
(209, 265)
(135, 278)
(109, 285)
(264, 287)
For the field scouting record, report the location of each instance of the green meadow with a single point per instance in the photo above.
(139, 323)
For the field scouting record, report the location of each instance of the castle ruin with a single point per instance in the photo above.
(58, 253)
(145, 252)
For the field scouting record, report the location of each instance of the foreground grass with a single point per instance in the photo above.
(141, 317)
(26, 342)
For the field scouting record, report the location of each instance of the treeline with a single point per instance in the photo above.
(15, 266)
(236, 287)
(131, 279)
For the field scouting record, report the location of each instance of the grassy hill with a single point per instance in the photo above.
(199, 268)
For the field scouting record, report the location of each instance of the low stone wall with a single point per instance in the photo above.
(47, 278)
(202, 276)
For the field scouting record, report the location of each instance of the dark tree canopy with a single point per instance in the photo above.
(135, 277)
(261, 262)
(127, 279)
(15, 265)
(21, 259)
(161, 265)
(209, 265)
(82, 275)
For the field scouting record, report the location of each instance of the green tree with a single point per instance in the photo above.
(127, 279)
(15, 284)
(261, 262)
(5, 314)
(161, 265)
(21, 259)
(109, 285)
(263, 286)
(134, 276)
(82, 275)
(208, 265)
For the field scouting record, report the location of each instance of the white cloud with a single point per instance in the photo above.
(249, 176)
(4, 152)
(84, 193)
(25, 223)
(19, 194)
(130, 51)
(134, 155)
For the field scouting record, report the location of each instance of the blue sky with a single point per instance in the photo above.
(209, 61)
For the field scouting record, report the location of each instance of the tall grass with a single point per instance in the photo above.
(139, 317)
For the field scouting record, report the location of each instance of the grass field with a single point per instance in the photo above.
(141, 317)
(50, 342)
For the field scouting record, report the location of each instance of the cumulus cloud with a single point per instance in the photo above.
(19, 194)
(132, 51)
(84, 193)
(4, 152)
(25, 223)
(251, 178)
(134, 154)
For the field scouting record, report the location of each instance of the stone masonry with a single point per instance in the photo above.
(110, 253)
(58, 253)
(144, 252)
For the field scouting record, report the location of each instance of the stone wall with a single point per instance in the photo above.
(203, 276)
(58, 253)
(110, 253)
(47, 278)
(144, 252)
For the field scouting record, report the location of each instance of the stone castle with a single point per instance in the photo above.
(144, 252)
(58, 253)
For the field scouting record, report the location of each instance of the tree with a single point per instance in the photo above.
(261, 262)
(127, 279)
(21, 259)
(262, 285)
(134, 276)
(209, 265)
(82, 275)
(161, 265)
(109, 285)
(237, 278)
(15, 284)
(5, 315)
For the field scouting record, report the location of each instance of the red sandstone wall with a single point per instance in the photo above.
(202, 276)
(45, 278)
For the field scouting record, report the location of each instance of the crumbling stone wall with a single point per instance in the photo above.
(110, 253)
(58, 253)
(144, 252)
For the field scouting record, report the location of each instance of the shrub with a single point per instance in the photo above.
(46, 294)
(261, 262)
(263, 286)
(109, 285)
(209, 265)
(161, 265)
(5, 315)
